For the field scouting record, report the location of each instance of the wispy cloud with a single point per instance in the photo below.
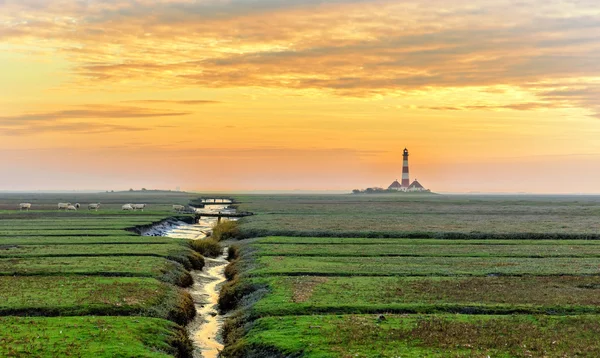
(584, 95)
(190, 102)
(525, 106)
(272, 152)
(77, 127)
(216, 152)
(90, 112)
(85, 119)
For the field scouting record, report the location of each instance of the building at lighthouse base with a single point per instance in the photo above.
(396, 186)
(415, 186)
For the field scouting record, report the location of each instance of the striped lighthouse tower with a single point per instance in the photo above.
(405, 179)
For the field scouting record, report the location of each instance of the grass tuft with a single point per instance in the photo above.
(207, 247)
(233, 252)
(233, 292)
(183, 309)
(232, 270)
(226, 230)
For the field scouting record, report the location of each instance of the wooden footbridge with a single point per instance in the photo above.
(216, 201)
(221, 214)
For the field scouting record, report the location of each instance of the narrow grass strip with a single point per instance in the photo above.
(92, 337)
(421, 336)
(423, 266)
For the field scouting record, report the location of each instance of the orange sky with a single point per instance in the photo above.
(490, 96)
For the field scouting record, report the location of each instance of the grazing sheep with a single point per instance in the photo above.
(178, 207)
(138, 206)
(94, 206)
(24, 206)
(71, 208)
(127, 207)
(63, 206)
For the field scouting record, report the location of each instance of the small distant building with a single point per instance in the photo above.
(395, 186)
(416, 186)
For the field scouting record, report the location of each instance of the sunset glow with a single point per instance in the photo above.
(489, 96)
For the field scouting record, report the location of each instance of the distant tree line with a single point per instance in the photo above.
(374, 190)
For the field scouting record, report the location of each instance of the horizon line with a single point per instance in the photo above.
(281, 191)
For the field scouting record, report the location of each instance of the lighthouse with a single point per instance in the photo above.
(405, 185)
(405, 179)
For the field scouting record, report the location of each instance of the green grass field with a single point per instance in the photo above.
(350, 285)
(457, 276)
(416, 276)
(397, 215)
(423, 266)
(303, 295)
(433, 250)
(90, 295)
(90, 337)
(85, 264)
(82, 223)
(412, 241)
(48, 201)
(122, 238)
(427, 336)
(179, 252)
(63, 232)
(87, 220)
(132, 249)
(129, 266)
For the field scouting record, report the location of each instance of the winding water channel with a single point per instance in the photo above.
(205, 329)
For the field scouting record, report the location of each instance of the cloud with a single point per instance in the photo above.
(348, 48)
(525, 106)
(280, 152)
(75, 128)
(215, 152)
(90, 112)
(586, 95)
(85, 120)
(185, 102)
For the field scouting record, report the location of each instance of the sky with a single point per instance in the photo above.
(488, 96)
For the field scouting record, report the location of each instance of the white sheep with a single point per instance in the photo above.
(77, 205)
(127, 207)
(178, 207)
(24, 206)
(94, 206)
(71, 208)
(63, 206)
(138, 206)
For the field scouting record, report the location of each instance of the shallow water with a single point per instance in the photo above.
(187, 231)
(205, 329)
